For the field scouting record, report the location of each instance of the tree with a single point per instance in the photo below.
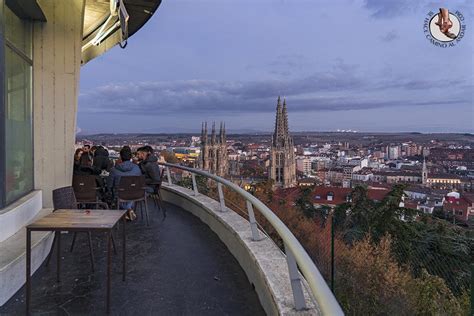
(305, 204)
(169, 156)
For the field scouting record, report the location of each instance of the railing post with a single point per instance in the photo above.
(332, 251)
(221, 196)
(295, 280)
(472, 287)
(168, 174)
(195, 188)
(253, 222)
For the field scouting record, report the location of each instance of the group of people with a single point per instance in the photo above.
(95, 161)
(91, 160)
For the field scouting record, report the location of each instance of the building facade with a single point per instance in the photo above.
(282, 168)
(303, 165)
(43, 44)
(213, 156)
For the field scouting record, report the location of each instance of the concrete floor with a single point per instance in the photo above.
(175, 267)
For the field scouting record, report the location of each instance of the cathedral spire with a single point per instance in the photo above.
(213, 134)
(278, 123)
(285, 117)
(204, 133)
(222, 133)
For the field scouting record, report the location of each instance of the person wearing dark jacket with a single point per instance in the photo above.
(123, 169)
(149, 167)
(83, 165)
(101, 159)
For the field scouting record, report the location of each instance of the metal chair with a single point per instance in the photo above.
(64, 198)
(85, 190)
(156, 195)
(133, 189)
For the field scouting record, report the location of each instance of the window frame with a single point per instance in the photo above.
(2, 108)
(4, 44)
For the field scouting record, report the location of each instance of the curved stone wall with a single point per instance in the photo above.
(263, 262)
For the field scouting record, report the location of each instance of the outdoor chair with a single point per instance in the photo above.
(64, 198)
(156, 194)
(85, 190)
(133, 189)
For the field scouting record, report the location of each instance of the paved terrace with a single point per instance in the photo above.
(174, 267)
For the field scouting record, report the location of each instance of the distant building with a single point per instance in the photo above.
(213, 155)
(460, 206)
(303, 164)
(365, 174)
(393, 151)
(282, 153)
(307, 182)
(333, 196)
(444, 181)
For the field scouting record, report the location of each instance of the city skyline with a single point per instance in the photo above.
(372, 81)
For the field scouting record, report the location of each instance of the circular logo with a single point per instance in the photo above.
(444, 28)
(445, 31)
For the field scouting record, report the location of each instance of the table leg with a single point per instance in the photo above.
(123, 249)
(58, 255)
(109, 268)
(28, 271)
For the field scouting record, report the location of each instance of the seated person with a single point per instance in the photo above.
(101, 159)
(83, 165)
(123, 169)
(149, 167)
(77, 160)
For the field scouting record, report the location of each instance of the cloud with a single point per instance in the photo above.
(339, 89)
(390, 36)
(394, 8)
(389, 8)
(212, 95)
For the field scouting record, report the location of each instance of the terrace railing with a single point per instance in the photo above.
(297, 258)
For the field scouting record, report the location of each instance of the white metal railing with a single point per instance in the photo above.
(296, 256)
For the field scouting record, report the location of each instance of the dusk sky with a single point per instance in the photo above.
(342, 64)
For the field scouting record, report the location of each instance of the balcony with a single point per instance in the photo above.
(176, 266)
(203, 258)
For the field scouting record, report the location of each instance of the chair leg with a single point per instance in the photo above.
(113, 243)
(139, 204)
(73, 241)
(146, 212)
(90, 251)
(51, 252)
(154, 197)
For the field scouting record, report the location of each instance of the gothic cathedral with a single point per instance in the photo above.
(213, 156)
(282, 153)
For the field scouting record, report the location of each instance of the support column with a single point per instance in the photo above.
(56, 67)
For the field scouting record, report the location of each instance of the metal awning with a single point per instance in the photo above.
(111, 22)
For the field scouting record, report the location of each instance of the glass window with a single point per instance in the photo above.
(18, 32)
(18, 108)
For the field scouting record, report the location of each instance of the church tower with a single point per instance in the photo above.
(204, 158)
(424, 173)
(213, 156)
(282, 153)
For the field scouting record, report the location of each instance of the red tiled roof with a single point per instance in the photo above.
(288, 194)
(469, 197)
(457, 204)
(411, 204)
(340, 195)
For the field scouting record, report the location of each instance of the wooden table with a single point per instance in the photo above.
(76, 220)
